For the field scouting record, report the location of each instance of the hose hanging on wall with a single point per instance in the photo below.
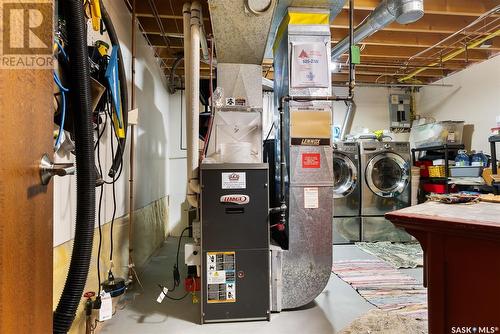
(85, 177)
(113, 37)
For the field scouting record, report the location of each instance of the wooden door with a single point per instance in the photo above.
(26, 128)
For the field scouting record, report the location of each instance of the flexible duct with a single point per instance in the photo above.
(85, 176)
(118, 158)
(387, 12)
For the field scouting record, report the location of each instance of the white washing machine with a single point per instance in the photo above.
(346, 193)
(385, 170)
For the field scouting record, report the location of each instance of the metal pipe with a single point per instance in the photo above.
(401, 85)
(452, 55)
(349, 116)
(352, 75)
(388, 11)
(131, 203)
(464, 29)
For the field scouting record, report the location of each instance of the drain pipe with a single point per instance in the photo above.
(387, 12)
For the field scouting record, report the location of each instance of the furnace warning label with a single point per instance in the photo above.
(221, 278)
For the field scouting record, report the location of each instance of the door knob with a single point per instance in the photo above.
(49, 169)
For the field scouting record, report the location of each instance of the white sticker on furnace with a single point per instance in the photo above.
(311, 198)
(216, 277)
(310, 66)
(234, 180)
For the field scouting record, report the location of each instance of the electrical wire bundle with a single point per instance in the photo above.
(175, 273)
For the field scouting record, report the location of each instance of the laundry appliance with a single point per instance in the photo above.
(346, 193)
(385, 179)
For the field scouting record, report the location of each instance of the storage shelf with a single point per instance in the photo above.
(494, 139)
(446, 148)
(440, 147)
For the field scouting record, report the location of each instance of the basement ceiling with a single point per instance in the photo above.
(398, 53)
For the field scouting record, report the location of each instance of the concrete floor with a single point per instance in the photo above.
(336, 307)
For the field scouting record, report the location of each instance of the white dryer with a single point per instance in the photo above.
(385, 168)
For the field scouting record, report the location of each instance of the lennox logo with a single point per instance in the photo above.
(235, 199)
(26, 34)
(234, 177)
(310, 141)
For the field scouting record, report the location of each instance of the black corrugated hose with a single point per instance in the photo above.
(80, 96)
(113, 37)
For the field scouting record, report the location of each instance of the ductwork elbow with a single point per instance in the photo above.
(387, 12)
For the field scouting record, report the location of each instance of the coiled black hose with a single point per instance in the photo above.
(113, 37)
(85, 176)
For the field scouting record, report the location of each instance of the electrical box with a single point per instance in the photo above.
(400, 111)
(235, 242)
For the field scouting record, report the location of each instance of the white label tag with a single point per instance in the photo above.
(311, 198)
(451, 136)
(234, 180)
(162, 295)
(216, 277)
(106, 310)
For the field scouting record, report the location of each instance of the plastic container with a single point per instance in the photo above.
(424, 167)
(437, 171)
(466, 171)
(462, 159)
(439, 133)
(479, 159)
(434, 188)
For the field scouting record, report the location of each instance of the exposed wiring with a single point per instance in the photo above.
(114, 207)
(100, 198)
(61, 49)
(175, 273)
(63, 109)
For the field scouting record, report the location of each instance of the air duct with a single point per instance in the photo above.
(387, 12)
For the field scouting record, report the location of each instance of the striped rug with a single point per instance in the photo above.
(384, 287)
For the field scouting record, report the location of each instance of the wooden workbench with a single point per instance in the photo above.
(461, 244)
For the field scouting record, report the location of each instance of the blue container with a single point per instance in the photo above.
(479, 159)
(462, 159)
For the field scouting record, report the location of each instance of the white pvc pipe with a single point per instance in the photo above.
(186, 10)
(194, 113)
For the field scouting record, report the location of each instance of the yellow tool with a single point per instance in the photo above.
(95, 10)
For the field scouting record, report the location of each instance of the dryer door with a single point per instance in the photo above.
(345, 174)
(387, 174)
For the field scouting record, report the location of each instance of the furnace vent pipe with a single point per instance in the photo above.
(387, 12)
(192, 77)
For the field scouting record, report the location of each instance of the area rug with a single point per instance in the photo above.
(400, 255)
(384, 287)
(382, 322)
